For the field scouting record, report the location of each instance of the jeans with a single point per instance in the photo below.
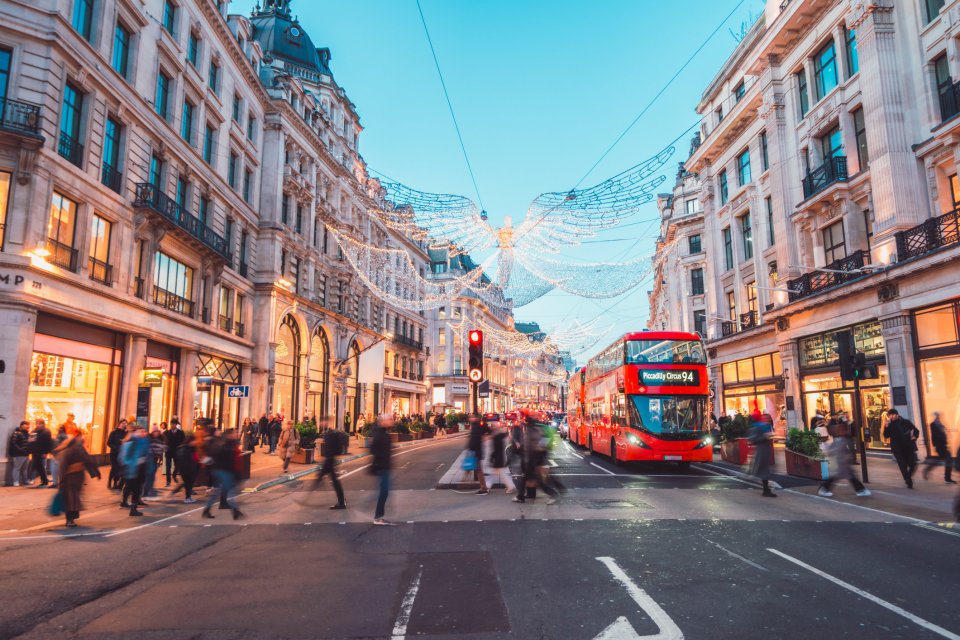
(20, 469)
(131, 490)
(54, 472)
(273, 443)
(149, 479)
(384, 492)
(225, 481)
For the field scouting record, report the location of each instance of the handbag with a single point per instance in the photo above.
(470, 461)
(56, 506)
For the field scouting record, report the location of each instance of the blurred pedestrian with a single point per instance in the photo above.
(263, 430)
(498, 461)
(189, 465)
(534, 461)
(134, 455)
(18, 449)
(73, 460)
(440, 423)
(223, 452)
(173, 439)
(288, 443)
(114, 442)
(154, 462)
(380, 449)
(902, 435)
(59, 439)
(938, 438)
(275, 428)
(761, 436)
(841, 452)
(475, 447)
(333, 441)
(40, 448)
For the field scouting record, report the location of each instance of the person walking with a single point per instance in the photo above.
(275, 428)
(761, 436)
(499, 462)
(535, 457)
(41, 446)
(288, 443)
(475, 447)
(440, 423)
(332, 447)
(57, 441)
(133, 456)
(902, 435)
(173, 438)
(18, 449)
(73, 460)
(841, 452)
(263, 430)
(938, 438)
(381, 450)
(247, 435)
(154, 462)
(114, 442)
(223, 451)
(188, 465)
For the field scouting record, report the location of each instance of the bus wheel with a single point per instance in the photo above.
(685, 465)
(613, 453)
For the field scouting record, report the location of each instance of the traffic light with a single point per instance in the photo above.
(845, 354)
(475, 355)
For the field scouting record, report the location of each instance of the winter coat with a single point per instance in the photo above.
(73, 460)
(246, 436)
(43, 442)
(332, 443)
(289, 443)
(276, 428)
(902, 435)
(133, 456)
(19, 444)
(475, 443)
(115, 440)
(938, 437)
(380, 448)
(173, 438)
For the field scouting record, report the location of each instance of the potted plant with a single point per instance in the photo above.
(308, 433)
(804, 456)
(401, 433)
(735, 447)
(364, 434)
(424, 429)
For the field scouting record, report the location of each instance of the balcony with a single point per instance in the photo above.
(459, 373)
(150, 197)
(950, 102)
(831, 171)
(17, 116)
(835, 274)
(62, 255)
(408, 342)
(238, 329)
(101, 271)
(111, 178)
(928, 236)
(226, 324)
(748, 320)
(172, 302)
(70, 149)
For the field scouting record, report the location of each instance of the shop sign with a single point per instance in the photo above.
(153, 377)
(238, 391)
(669, 377)
(158, 363)
(204, 383)
(456, 388)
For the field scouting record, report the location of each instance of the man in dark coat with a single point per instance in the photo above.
(41, 446)
(938, 438)
(263, 430)
(332, 447)
(381, 449)
(114, 441)
(276, 426)
(475, 445)
(18, 450)
(903, 444)
(173, 438)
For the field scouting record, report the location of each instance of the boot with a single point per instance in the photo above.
(206, 513)
(134, 512)
(237, 514)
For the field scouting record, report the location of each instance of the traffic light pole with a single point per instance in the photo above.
(858, 418)
(473, 393)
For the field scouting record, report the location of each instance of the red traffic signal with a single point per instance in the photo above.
(475, 337)
(475, 355)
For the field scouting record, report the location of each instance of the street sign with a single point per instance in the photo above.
(238, 391)
(484, 389)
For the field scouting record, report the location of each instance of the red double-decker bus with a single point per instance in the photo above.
(576, 425)
(645, 398)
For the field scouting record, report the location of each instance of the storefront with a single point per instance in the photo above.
(752, 384)
(825, 392)
(75, 369)
(214, 375)
(354, 391)
(157, 393)
(286, 386)
(937, 339)
(318, 375)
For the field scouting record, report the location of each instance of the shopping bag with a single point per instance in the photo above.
(470, 461)
(56, 507)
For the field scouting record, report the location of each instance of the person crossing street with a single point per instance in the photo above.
(902, 435)
(332, 447)
(938, 438)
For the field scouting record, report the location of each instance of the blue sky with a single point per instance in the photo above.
(540, 88)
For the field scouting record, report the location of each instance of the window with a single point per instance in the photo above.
(193, 48)
(863, 152)
(727, 248)
(825, 70)
(242, 256)
(228, 232)
(61, 231)
(162, 100)
(853, 60)
(111, 175)
(213, 78)
(933, 9)
(724, 190)
(169, 16)
(941, 73)
(831, 144)
(285, 209)
(156, 170)
(4, 72)
(833, 243)
(232, 170)
(691, 206)
(700, 322)
(208, 144)
(70, 146)
(955, 191)
(251, 127)
(83, 18)
(695, 244)
(238, 314)
(295, 273)
(770, 235)
(868, 229)
(764, 153)
(441, 337)
(186, 123)
(803, 92)
(298, 227)
(247, 179)
(236, 107)
(719, 113)
(739, 91)
(746, 232)
(203, 211)
(100, 250)
(731, 306)
(4, 201)
(696, 282)
(181, 195)
(120, 61)
(226, 308)
(173, 284)
(743, 167)
(752, 296)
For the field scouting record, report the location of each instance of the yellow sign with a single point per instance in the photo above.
(153, 377)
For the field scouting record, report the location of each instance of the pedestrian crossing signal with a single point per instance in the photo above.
(475, 355)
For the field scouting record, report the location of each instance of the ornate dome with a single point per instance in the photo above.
(281, 36)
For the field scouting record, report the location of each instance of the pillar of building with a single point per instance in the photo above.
(793, 393)
(902, 367)
(134, 358)
(18, 325)
(188, 386)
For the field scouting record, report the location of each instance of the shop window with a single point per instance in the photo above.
(745, 370)
(287, 368)
(834, 247)
(825, 70)
(100, 268)
(61, 232)
(936, 327)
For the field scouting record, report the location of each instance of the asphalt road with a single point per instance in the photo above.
(629, 552)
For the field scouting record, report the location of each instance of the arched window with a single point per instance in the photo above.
(353, 395)
(287, 369)
(319, 372)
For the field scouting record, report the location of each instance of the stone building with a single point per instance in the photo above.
(827, 165)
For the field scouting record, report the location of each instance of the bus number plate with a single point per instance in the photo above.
(673, 457)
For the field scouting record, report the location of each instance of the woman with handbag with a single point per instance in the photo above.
(73, 460)
(288, 443)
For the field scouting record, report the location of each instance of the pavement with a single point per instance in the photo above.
(629, 551)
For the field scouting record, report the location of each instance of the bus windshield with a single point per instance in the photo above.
(669, 417)
(665, 351)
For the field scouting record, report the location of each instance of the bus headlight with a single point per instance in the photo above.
(706, 442)
(633, 439)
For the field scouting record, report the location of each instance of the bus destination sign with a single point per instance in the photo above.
(670, 377)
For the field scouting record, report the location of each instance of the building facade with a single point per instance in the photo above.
(827, 169)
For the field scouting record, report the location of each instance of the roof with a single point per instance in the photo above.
(281, 35)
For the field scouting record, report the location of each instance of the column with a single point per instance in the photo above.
(902, 368)
(133, 361)
(790, 358)
(187, 379)
(18, 324)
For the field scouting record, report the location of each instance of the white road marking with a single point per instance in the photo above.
(406, 608)
(855, 506)
(937, 529)
(617, 631)
(735, 555)
(869, 596)
(602, 469)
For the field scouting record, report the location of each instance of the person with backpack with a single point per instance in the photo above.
(902, 435)
(333, 446)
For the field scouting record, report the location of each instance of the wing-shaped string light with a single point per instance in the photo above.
(505, 343)
(532, 373)
(392, 275)
(578, 335)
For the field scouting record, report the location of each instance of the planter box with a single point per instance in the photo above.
(736, 452)
(303, 456)
(426, 435)
(805, 466)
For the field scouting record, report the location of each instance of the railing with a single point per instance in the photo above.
(19, 116)
(172, 302)
(101, 271)
(70, 149)
(459, 372)
(831, 171)
(409, 342)
(238, 329)
(950, 102)
(835, 274)
(226, 323)
(151, 197)
(111, 178)
(928, 236)
(62, 255)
